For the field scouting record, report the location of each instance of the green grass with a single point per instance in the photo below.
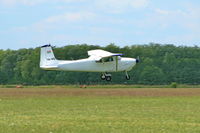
(100, 114)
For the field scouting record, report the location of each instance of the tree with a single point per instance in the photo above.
(152, 75)
(160, 64)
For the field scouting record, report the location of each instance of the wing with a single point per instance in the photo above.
(99, 54)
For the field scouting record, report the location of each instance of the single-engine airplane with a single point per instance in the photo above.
(98, 61)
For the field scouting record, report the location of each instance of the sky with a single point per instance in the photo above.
(33, 23)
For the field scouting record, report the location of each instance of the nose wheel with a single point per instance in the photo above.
(127, 76)
(106, 76)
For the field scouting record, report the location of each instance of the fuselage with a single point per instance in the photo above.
(90, 65)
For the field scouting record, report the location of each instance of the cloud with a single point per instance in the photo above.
(139, 3)
(64, 20)
(34, 2)
(180, 19)
(188, 18)
(162, 12)
(179, 26)
(70, 17)
(20, 2)
(118, 6)
(58, 22)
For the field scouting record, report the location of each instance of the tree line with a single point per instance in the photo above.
(160, 64)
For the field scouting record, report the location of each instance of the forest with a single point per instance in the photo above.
(160, 64)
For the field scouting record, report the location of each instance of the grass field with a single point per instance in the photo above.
(99, 110)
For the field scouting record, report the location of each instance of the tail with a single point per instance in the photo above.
(47, 58)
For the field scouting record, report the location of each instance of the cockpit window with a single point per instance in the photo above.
(108, 59)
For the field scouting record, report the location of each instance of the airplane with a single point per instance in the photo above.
(98, 61)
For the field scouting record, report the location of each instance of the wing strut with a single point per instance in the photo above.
(116, 63)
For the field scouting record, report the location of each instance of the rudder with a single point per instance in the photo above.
(47, 58)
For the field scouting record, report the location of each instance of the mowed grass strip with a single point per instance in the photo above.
(62, 92)
(99, 111)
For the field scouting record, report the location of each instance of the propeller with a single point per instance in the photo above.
(138, 59)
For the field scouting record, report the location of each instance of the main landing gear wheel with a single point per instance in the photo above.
(106, 76)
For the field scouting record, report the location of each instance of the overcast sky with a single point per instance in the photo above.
(32, 23)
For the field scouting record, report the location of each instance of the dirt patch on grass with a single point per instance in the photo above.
(141, 92)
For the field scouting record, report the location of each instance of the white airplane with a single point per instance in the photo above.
(98, 61)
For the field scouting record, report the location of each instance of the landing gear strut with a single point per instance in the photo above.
(103, 77)
(127, 76)
(106, 76)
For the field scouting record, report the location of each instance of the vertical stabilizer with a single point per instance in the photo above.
(47, 58)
